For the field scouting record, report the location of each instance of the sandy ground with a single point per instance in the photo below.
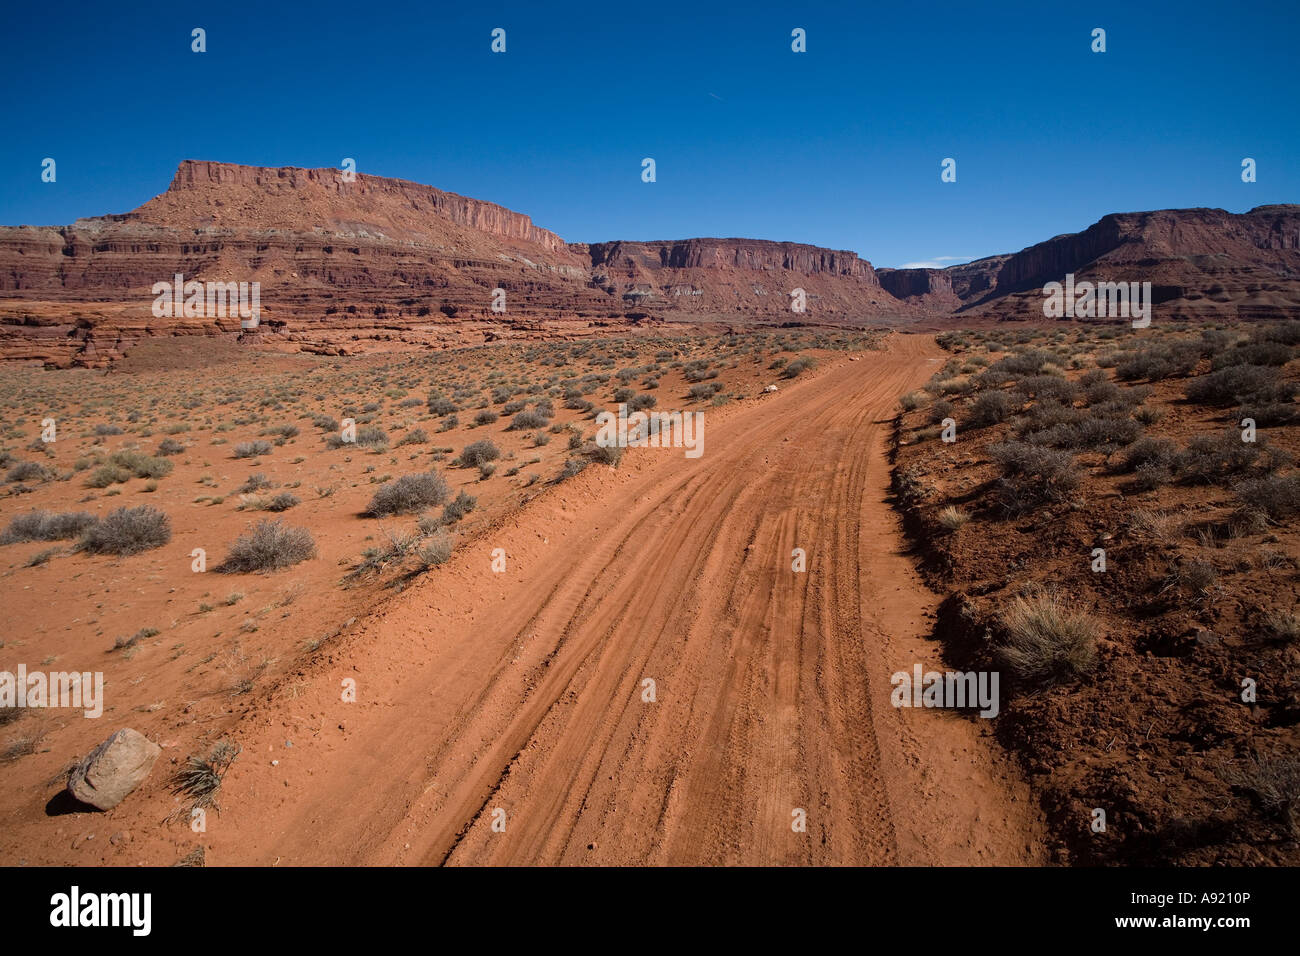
(501, 718)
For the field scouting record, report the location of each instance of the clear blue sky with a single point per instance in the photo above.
(840, 146)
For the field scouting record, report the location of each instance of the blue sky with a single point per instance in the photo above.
(839, 146)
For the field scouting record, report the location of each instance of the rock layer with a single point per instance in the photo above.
(373, 263)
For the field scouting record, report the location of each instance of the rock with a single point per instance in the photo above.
(113, 769)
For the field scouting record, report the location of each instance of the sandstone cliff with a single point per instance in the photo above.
(377, 262)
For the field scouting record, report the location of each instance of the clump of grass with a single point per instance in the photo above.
(435, 549)
(124, 643)
(1274, 782)
(199, 781)
(1284, 625)
(1048, 641)
(395, 549)
(952, 518)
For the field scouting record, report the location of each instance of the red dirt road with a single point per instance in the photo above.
(481, 692)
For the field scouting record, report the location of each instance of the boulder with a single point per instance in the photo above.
(113, 769)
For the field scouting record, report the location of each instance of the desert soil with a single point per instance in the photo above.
(522, 691)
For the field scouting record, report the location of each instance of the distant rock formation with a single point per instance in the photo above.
(376, 263)
(368, 263)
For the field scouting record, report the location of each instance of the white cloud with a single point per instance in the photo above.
(938, 262)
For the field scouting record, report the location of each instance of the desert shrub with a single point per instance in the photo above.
(909, 402)
(1277, 496)
(325, 423)
(485, 417)
(394, 548)
(457, 509)
(416, 436)
(572, 466)
(1045, 415)
(1097, 392)
(1149, 451)
(1013, 367)
(1240, 384)
(703, 390)
(643, 401)
(282, 502)
(442, 406)
(1253, 353)
(1211, 459)
(989, 408)
(603, 454)
(269, 546)
(128, 531)
(108, 430)
(540, 439)
(251, 449)
(367, 436)
(478, 453)
(1275, 784)
(371, 436)
(106, 475)
(1267, 413)
(529, 419)
(1047, 641)
(29, 471)
(1160, 361)
(170, 446)
(255, 482)
(1097, 433)
(408, 494)
(624, 395)
(797, 367)
(46, 526)
(940, 410)
(139, 465)
(1288, 333)
(1051, 388)
(1284, 625)
(1032, 475)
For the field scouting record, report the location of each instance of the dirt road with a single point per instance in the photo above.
(518, 698)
